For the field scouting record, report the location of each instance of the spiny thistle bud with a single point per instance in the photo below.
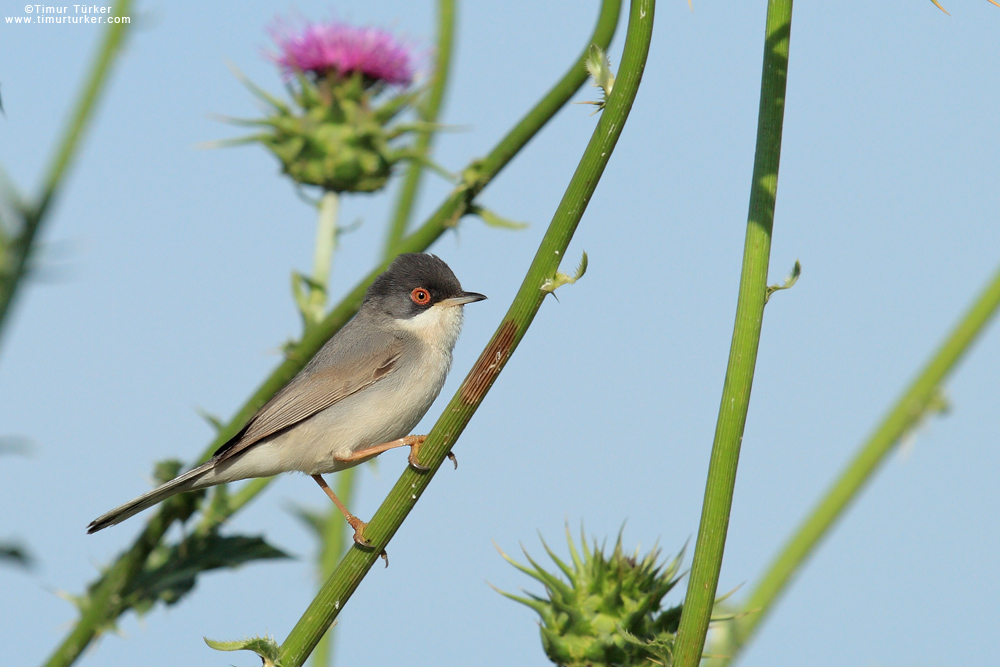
(609, 613)
(335, 135)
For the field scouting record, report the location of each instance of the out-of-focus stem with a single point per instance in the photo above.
(704, 578)
(104, 601)
(18, 252)
(429, 110)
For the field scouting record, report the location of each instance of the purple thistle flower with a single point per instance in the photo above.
(324, 48)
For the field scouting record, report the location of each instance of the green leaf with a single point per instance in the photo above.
(257, 90)
(494, 220)
(599, 68)
(790, 280)
(212, 420)
(171, 571)
(166, 470)
(315, 520)
(552, 284)
(265, 647)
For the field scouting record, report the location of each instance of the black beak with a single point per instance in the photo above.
(462, 299)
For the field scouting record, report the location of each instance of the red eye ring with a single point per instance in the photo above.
(420, 296)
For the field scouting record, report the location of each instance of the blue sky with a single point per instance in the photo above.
(164, 289)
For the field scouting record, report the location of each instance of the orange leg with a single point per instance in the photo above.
(357, 524)
(411, 441)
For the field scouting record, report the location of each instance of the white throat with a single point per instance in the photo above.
(438, 326)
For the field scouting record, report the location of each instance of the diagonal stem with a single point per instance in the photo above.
(333, 541)
(707, 562)
(326, 606)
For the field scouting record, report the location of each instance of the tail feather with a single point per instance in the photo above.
(186, 482)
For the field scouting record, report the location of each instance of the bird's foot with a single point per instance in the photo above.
(414, 442)
(359, 531)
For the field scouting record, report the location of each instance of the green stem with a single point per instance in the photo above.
(905, 415)
(326, 244)
(356, 563)
(707, 562)
(429, 112)
(20, 249)
(446, 216)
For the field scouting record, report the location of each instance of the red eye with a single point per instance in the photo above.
(420, 296)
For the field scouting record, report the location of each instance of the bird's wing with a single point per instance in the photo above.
(312, 391)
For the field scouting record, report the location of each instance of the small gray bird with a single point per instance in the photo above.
(358, 397)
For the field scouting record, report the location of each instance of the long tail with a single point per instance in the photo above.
(186, 482)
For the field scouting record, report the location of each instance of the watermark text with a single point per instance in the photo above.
(60, 14)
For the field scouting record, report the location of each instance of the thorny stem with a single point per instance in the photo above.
(707, 561)
(326, 606)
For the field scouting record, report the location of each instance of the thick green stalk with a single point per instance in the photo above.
(447, 215)
(905, 415)
(19, 251)
(707, 563)
(326, 606)
(429, 112)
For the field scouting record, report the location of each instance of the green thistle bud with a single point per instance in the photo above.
(609, 612)
(338, 141)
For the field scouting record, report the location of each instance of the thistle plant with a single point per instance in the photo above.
(337, 133)
(610, 611)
